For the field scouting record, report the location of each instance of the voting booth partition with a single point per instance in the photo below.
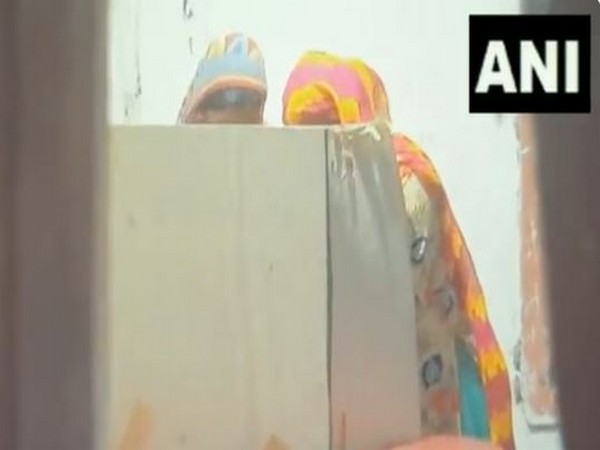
(259, 290)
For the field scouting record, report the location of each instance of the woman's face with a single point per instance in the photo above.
(327, 116)
(230, 106)
(233, 116)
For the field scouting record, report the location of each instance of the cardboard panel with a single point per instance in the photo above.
(245, 264)
(219, 287)
(374, 384)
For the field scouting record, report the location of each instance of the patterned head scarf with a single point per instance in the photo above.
(322, 85)
(233, 64)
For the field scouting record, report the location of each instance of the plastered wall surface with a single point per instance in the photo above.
(420, 50)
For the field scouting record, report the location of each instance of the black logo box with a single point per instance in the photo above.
(512, 29)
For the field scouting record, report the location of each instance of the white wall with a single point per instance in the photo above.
(419, 47)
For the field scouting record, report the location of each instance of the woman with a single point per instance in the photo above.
(465, 387)
(230, 85)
